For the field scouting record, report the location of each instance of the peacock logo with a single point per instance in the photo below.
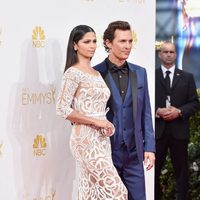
(38, 37)
(39, 145)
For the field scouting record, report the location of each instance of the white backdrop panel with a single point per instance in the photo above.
(35, 160)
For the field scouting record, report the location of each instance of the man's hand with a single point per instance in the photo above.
(149, 160)
(161, 112)
(169, 113)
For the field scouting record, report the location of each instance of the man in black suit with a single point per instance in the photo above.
(175, 101)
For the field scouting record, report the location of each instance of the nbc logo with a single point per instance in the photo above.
(38, 37)
(134, 38)
(39, 146)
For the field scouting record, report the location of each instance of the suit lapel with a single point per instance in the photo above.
(107, 78)
(114, 90)
(134, 86)
(177, 76)
(161, 78)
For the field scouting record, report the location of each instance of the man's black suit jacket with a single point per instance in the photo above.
(183, 96)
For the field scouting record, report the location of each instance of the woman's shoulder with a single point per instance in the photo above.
(92, 73)
(72, 70)
(72, 73)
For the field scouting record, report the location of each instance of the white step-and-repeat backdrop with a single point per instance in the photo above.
(35, 160)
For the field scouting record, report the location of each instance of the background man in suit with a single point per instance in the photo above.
(130, 112)
(175, 101)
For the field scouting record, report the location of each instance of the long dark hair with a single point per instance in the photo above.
(76, 34)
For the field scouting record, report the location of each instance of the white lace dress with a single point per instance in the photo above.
(88, 94)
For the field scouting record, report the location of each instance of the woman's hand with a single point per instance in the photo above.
(106, 127)
(108, 131)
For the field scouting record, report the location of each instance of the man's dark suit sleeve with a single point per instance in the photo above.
(192, 105)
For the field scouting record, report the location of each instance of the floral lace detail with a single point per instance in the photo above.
(88, 94)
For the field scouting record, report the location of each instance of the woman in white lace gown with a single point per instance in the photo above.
(82, 100)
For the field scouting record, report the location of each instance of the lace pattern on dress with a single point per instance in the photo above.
(88, 94)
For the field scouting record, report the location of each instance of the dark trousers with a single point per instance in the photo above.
(179, 156)
(130, 171)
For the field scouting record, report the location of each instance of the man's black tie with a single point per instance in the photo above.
(167, 82)
(122, 69)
